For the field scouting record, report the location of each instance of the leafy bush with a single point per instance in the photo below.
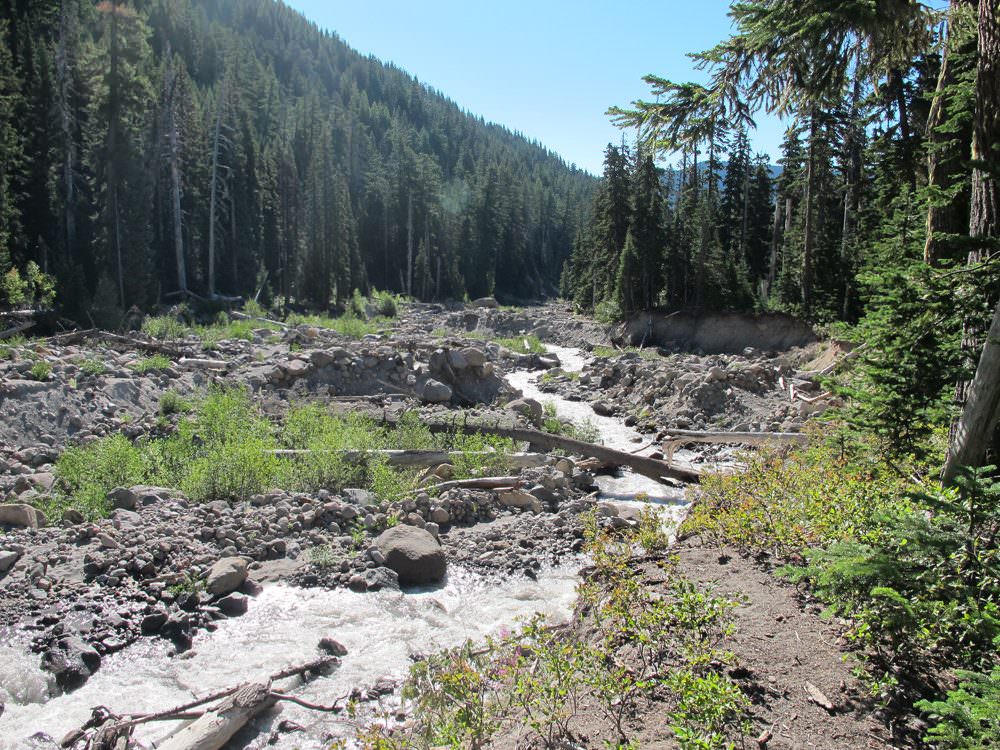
(608, 312)
(356, 306)
(923, 591)
(172, 402)
(781, 505)
(386, 303)
(93, 367)
(31, 288)
(41, 370)
(86, 474)
(524, 344)
(164, 327)
(151, 364)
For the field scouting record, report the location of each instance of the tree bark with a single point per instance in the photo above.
(648, 467)
(941, 171)
(808, 228)
(972, 435)
(214, 190)
(175, 172)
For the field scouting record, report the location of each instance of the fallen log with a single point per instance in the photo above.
(218, 725)
(244, 316)
(676, 438)
(478, 483)
(213, 727)
(647, 467)
(197, 363)
(26, 326)
(149, 346)
(411, 458)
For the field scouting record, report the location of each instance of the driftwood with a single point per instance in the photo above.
(26, 326)
(411, 458)
(218, 725)
(196, 363)
(244, 316)
(478, 483)
(212, 727)
(648, 467)
(676, 438)
(155, 347)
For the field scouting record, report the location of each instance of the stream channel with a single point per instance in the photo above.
(284, 624)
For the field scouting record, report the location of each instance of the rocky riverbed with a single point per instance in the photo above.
(76, 591)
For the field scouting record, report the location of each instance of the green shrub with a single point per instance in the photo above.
(86, 474)
(781, 505)
(969, 718)
(41, 370)
(608, 312)
(922, 591)
(172, 402)
(233, 470)
(386, 303)
(93, 367)
(151, 364)
(356, 307)
(164, 327)
(527, 344)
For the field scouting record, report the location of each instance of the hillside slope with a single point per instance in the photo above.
(157, 145)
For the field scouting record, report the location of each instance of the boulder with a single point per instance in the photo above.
(227, 575)
(520, 499)
(72, 661)
(7, 560)
(486, 302)
(233, 605)
(457, 360)
(332, 647)
(414, 554)
(21, 516)
(528, 408)
(123, 497)
(435, 392)
(602, 408)
(474, 357)
(321, 359)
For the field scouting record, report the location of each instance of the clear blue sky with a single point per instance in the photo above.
(548, 69)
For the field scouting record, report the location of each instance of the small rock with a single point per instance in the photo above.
(332, 647)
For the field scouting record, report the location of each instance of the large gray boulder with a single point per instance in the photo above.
(435, 392)
(227, 575)
(413, 553)
(72, 661)
(22, 516)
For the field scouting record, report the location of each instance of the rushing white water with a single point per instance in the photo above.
(628, 489)
(282, 628)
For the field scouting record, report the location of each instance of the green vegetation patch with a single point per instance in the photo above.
(526, 344)
(224, 448)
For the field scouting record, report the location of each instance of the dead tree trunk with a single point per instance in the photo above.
(173, 156)
(648, 467)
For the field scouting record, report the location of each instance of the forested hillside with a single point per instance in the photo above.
(161, 146)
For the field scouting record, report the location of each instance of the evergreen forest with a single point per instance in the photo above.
(155, 149)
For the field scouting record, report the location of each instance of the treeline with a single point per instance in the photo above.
(695, 236)
(154, 148)
(875, 172)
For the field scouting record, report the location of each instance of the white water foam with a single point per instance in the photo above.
(282, 628)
